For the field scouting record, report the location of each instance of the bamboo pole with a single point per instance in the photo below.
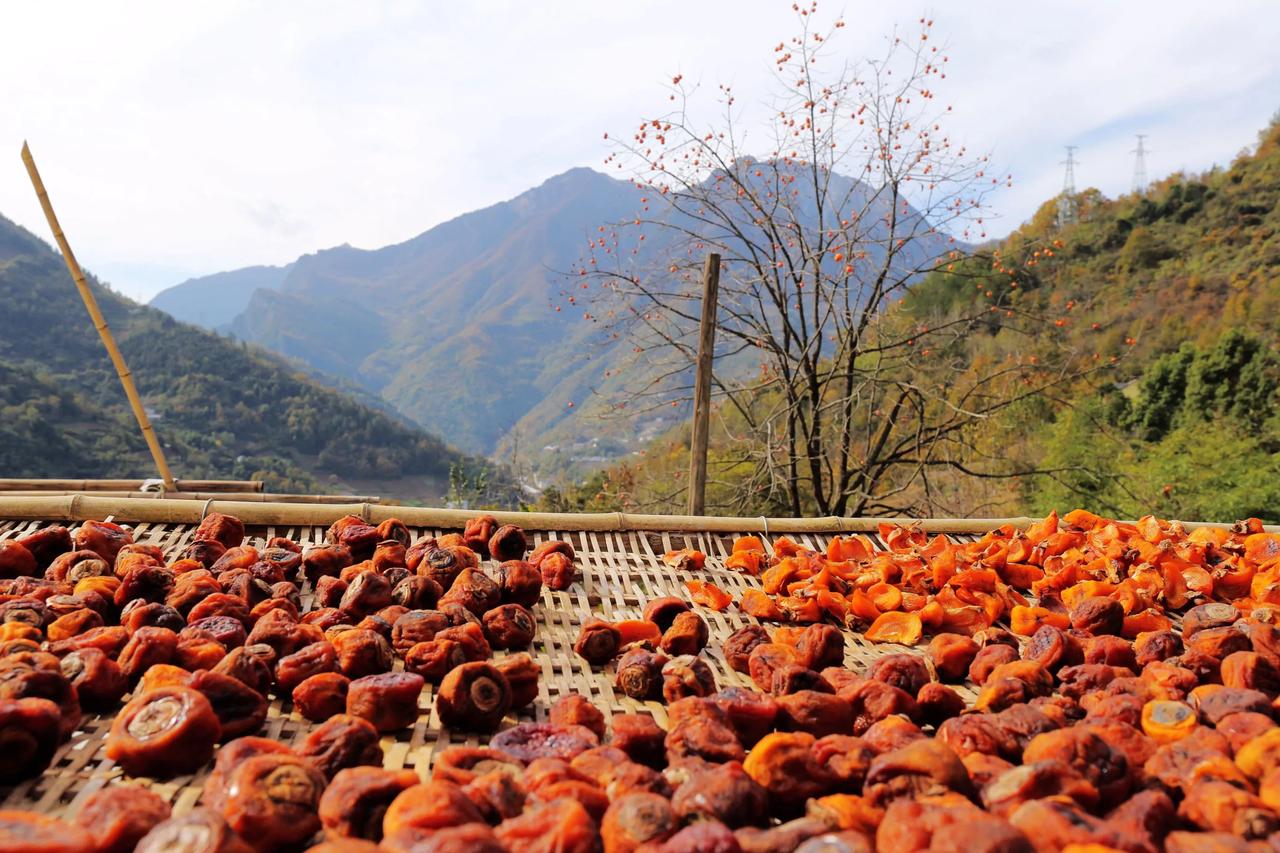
(11, 484)
(99, 322)
(85, 507)
(702, 386)
(253, 497)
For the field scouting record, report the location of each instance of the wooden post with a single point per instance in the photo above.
(99, 322)
(702, 386)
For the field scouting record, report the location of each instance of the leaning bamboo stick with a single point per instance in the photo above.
(99, 322)
(84, 507)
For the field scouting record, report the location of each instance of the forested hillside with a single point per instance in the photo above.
(1171, 297)
(222, 408)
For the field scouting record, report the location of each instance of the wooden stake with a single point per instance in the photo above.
(99, 322)
(702, 386)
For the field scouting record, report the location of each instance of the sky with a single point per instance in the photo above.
(181, 139)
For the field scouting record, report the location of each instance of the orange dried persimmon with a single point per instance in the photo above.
(748, 545)
(776, 577)
(787, 635)
(834, 605)
(1026, 620)
(840, 549)
(685, 558)
(1144, 621)
(932, 615)
(1021, 575)
(861, 605)
(896, 627)
(885, 597)
(784, 547)
(799, 609)
(751, 562)
(637, 631)
(757, 603)
(708, 594)
(1262, 547)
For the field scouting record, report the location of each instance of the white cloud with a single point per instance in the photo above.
(179, 140)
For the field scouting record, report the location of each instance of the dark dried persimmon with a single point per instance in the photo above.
(272, 801)
(1093, 757)
(640, 737)
(200, 830)
(462, 765)
(906, 672)
(952, 654)
(765, 659)
(319, 697)
(497, 794)
(724, 793)
(562, 826)
(356, 799)
(508, 542)
(637, 819)
(522, 675)
(530, 741)
(389, 700)
(978, 733)
(938, 703)
(30, 730)
(598, 642)
(814, 712)
(342, 741)
(430, 805)
(703, 736)
(687, 675)
(25, 832)
(118, 816)
(98, 681)
(509, 626)
(687, 634)
(573, 709)
(783, 764)
(164, 732)
(240, 709)
(751, 713)
(872, 701)
(474, 697)
(924, 767)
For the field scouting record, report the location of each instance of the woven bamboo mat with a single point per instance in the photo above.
(618, 573)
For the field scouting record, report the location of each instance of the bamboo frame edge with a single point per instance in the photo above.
(81, 507)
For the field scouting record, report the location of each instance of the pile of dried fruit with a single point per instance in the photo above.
(1101, 732)
(1079, 568)
(199, 644)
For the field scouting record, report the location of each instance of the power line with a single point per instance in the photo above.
(1140, 165)
(1067, 201)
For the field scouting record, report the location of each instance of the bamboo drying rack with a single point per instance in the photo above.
(619, 559)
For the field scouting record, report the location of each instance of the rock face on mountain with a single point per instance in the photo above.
(456, 328)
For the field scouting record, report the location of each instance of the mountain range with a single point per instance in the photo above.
(222, 408)
(456, 328)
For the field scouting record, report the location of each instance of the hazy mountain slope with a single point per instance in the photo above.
(456, 328)
(222, 408)
(213, 301)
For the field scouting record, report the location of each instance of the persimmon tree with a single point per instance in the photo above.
(825, 211)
